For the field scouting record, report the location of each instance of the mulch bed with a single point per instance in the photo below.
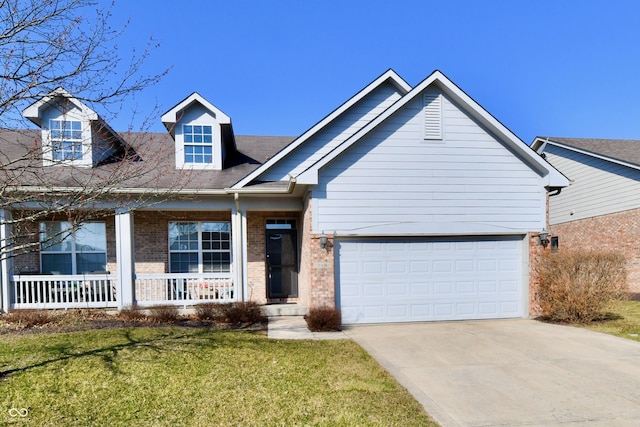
(56, 321)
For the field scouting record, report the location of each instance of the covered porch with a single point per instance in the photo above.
(130, 258)
(169, 256)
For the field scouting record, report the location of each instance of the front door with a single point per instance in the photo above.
(282, 263)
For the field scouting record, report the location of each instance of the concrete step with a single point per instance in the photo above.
(291, 309)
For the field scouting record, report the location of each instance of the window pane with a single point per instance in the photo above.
(183, 236)
(91, 237)
(215, 251)
(216, 262)
(56, 263)
(187, 129)
(86, 263)
(55, 236)
(183, 262)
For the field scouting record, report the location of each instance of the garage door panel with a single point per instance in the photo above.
(429, 280)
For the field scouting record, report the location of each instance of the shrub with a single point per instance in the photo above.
(163, 313)
(576, 286)
(242, 312)
(324, 319)
(131, 313)
(29, 318)
(207, 311)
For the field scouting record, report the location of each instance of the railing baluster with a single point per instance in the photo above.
(63, 291)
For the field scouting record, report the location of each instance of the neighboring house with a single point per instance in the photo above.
(403, 204)
(600, 210)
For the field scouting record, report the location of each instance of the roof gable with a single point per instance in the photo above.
(388, 76)
(552, 177)
(35, 111)
(171, 117)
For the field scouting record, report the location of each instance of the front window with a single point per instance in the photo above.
(66, 139)
(64, 250)
(198, 144)
(200, 247)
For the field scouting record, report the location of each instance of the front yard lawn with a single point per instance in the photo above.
(182, 376)
(623, 320)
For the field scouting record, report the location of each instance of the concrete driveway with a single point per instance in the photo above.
(511, 372)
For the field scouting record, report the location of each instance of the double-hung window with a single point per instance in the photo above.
(198, 144)
(200, 247)
(66, 139)
(64, 250)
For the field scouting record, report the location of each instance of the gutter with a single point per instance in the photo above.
(290, 187)
(554, 191)
(159, 191)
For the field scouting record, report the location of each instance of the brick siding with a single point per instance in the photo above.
(614, 232)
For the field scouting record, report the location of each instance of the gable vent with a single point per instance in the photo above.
(432, 107)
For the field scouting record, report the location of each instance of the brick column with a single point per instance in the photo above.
(322, 292)
(536, 252)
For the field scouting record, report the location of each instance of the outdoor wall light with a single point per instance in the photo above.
(544, 237)
(323, 240)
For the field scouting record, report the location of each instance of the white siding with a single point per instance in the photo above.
(393, 181)
(328, 138)
(598, 187)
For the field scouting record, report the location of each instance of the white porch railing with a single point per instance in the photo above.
(63, 291)
(184, 288)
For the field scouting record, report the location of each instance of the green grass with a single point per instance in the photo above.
(157, 376)
(623, 320)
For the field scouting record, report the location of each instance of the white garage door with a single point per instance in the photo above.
(422, 280)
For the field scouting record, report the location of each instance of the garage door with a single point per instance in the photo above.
(423, 280)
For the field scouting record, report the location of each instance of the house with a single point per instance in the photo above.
(600, 210)
(403, 204)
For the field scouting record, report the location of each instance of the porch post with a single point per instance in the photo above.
(125, 258)
(5, 260)
(238, 231)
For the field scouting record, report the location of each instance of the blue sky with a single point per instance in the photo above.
(555, 68)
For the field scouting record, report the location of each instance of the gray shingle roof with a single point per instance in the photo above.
(625, 150)
(156, 170)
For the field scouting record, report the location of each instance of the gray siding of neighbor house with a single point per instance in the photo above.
(598, 187)
(343, 127)
(393, 181)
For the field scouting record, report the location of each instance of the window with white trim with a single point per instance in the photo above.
(64, 250)
(199, 247)
(198, 143)
(66, 139)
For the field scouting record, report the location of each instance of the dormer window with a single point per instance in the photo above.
(73, 134)
(198, 143)
(66, 139)
(202, 134)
